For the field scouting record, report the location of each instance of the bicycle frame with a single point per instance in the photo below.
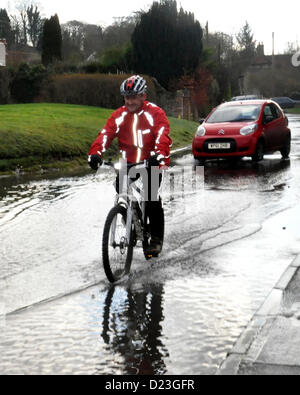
(131, 199)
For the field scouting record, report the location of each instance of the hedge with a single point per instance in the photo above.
(101, 90)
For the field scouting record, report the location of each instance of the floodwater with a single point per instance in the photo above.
(226, 245)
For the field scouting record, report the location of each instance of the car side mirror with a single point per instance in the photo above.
(201, 121)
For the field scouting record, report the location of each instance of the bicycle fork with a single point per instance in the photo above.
(127, 237)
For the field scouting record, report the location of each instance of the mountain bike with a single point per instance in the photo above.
(126, 226)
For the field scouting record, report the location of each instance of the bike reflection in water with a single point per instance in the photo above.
(132, 328)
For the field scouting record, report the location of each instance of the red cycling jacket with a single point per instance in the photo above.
(139, 134)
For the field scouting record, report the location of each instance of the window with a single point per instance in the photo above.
(276, 111)
(268, 111)
(235, 113)
(268, 114)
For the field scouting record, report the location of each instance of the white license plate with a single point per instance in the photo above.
(219, 146)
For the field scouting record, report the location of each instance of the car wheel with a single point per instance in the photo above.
(285, 151)
(259, 152)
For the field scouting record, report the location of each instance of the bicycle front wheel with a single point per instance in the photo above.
(117, 251)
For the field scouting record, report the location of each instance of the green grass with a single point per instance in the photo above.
(182, 132)
(33, 135)
(295, 110)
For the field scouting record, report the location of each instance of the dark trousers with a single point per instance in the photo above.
(153, 206)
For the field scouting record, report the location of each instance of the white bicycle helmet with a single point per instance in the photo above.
(134, 85)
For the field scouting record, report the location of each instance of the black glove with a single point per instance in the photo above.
(95, 161)
(156, 160)
(152, 161)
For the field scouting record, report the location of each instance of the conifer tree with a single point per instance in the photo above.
(5, 26)
(51, 41)
(166, 43)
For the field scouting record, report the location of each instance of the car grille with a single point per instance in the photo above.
(233, 147)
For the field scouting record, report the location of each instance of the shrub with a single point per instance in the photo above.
(27, 82)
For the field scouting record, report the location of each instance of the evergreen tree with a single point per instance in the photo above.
(190, 40)
(51, 41)
(5, 26)
(246, 41)
(166, 43)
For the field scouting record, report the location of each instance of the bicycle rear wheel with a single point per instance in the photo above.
(116, 250)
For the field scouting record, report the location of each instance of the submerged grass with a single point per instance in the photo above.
(40, 134)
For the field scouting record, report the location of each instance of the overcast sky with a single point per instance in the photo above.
(227, 16)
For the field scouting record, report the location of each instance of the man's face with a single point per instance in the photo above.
(134, 103)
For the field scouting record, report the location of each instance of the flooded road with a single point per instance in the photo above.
(225, 248)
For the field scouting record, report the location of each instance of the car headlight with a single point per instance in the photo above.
(201, 131)
(249, 129)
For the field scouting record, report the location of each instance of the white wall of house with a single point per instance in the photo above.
(2, 54)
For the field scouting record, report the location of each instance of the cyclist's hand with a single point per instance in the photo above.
(152, 161)
(158, 160)
(95, 161)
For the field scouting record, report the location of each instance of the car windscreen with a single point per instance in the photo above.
(235, 113)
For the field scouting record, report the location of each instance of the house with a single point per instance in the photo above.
(261, 61)
(2, 53)
(16, 56)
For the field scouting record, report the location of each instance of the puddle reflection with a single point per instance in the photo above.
(246, 175)
(132, 328)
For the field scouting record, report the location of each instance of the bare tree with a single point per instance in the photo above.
(28, 22)
(34, 22)
(21, 7)
(291, 47)
(16, 29)
(83, 39)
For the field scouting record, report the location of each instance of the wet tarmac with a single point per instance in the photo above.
(226, 246)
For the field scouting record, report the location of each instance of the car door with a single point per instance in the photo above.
(270, 127)
(280, 126)
(277, 125)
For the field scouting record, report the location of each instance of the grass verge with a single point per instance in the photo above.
(42, 135)
(295, 110)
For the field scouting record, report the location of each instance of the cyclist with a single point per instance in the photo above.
(142, 130)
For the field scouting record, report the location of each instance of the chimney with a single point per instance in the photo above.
(260, 50)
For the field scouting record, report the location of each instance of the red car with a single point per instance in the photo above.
(243, 128)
